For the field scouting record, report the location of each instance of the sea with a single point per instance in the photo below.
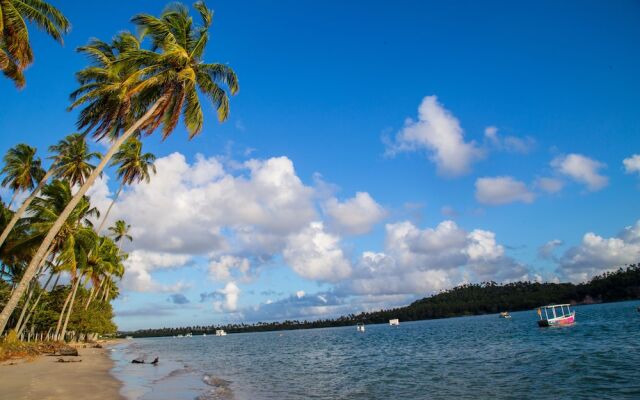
(476, 357)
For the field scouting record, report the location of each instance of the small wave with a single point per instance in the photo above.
(221, 389)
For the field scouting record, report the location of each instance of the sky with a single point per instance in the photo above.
(376, 153)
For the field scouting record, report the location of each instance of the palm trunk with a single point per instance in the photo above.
(30, 293)
(40, 253)
(64, 307)
(73, 298)
(25, 306)
(23, 207)
(35, 305)
(104, 220)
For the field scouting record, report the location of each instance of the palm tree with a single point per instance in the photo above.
(167, 88)
(133, 166)
(120, 231)
(71, 161)
(22, 169)
(15, 49)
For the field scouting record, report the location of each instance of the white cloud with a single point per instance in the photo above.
(139, 265)
(502, 190)
(581, 169)
(314, 254)
(231, 294)
(422, 261)
(632, 164)
(597, 254)
(222, 268)
(300, 294)
(549, 185)
(511, 144)
(356, 215)
(439, 133)
(198, 208)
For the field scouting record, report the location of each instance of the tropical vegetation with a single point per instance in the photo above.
(59, 271)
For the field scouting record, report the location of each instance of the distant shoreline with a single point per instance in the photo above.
(44, 377)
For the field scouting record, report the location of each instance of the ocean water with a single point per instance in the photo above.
(480, 357)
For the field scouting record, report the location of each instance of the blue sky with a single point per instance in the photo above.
(527, 112)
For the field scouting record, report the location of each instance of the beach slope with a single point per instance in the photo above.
(46, 378)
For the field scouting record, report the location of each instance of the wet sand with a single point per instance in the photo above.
(45, 378)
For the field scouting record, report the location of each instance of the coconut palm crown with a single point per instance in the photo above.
(15, 50)
(22, 169)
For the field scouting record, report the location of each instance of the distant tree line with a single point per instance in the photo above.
(469, 299)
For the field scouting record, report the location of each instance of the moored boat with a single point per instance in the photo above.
(394, 322)
(556, 315)
(505, 314)
(360, 327)
(221, 332)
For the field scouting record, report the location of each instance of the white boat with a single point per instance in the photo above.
(180, 335)
(556, 315)
(360, 327)
(221, 332)
(394, 322)
(505, 314)
(204, 334)
(188, 334)
(128, 337)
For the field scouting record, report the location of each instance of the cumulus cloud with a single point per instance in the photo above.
(549, 185)
(581, 169)
(511, 144)
(356, 215)
(597, 254)
(229, 298)
(438, 132)
(186, 206)
(315, 254)
(502, 190)
(632, 164)
(139, 265)
(422, 261)
(228, 267)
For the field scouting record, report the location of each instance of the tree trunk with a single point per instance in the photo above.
(40, 253)
(25, 306)
(104, 220)
(70, 309)
(64, 307)
(35, 305)
(23, 207)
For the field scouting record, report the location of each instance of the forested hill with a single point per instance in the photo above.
(476, 299)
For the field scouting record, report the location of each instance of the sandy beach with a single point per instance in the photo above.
(45, 378)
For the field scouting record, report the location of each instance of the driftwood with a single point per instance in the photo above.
(62, 360)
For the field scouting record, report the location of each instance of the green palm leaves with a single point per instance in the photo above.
(15, 50)
(22, 169)
(132, 164)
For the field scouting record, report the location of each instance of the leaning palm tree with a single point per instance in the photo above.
(168, 82)
(22, 170)
(133, 166)
(71, 161)
(15, 49)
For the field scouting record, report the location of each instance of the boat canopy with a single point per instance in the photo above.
(554, 311)
(556, 305)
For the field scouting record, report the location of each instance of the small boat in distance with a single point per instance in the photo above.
(394, 322)
(221, 332)
(505, 314)
(360, 327)
(204, 334)
(556, 315)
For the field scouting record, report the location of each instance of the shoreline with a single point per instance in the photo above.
(43, 377)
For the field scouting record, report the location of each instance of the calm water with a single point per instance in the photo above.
(471, 357)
